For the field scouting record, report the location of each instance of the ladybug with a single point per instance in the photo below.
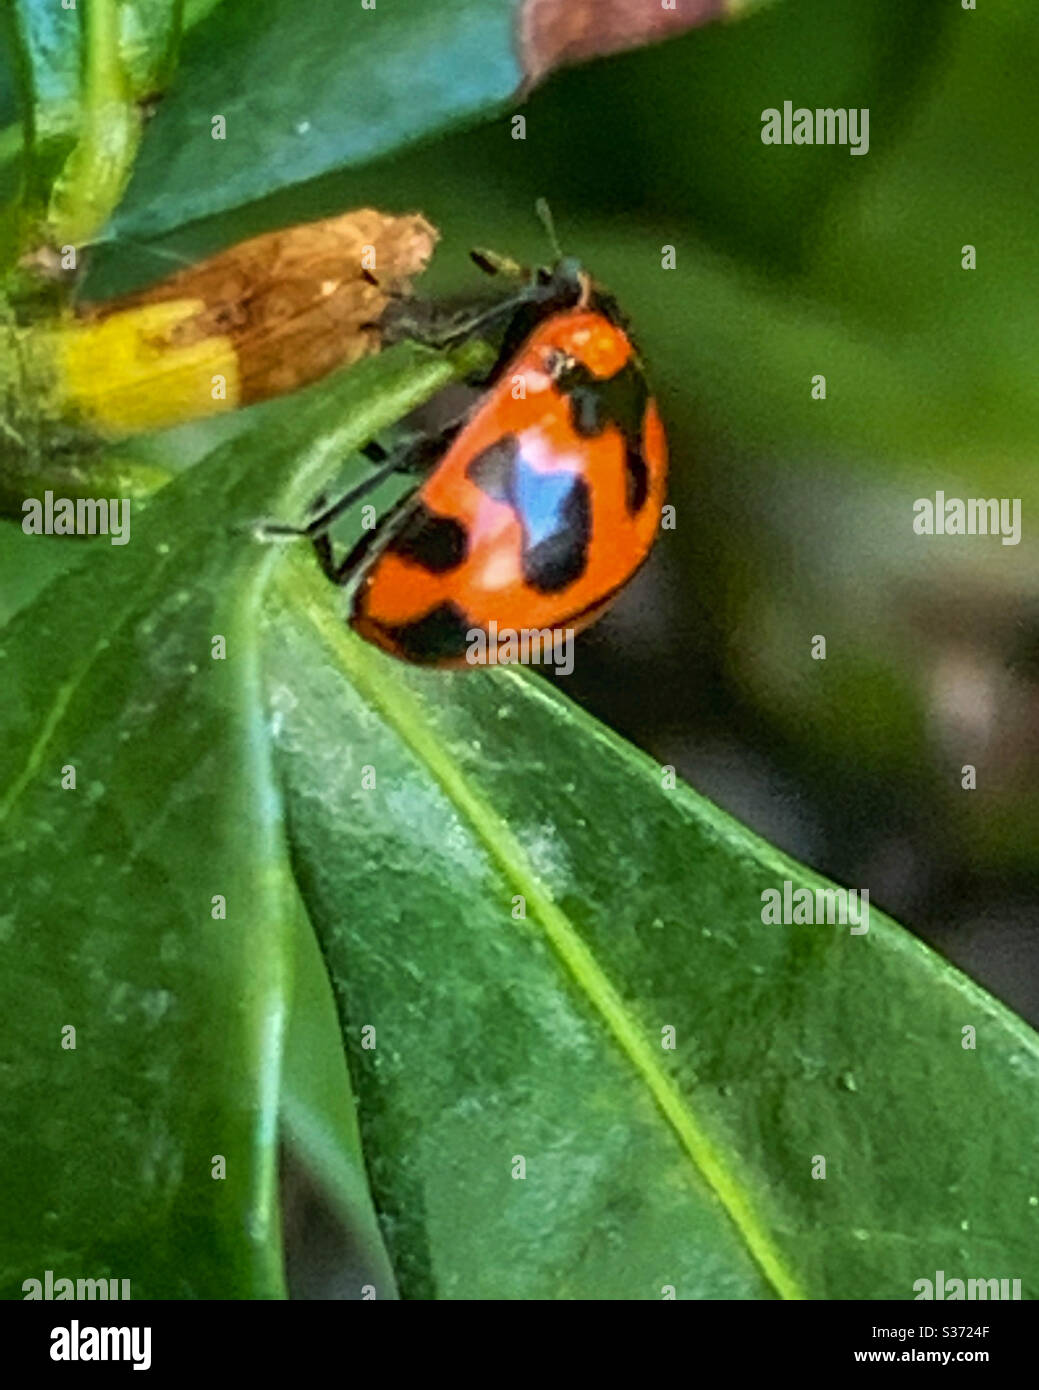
(536, 508)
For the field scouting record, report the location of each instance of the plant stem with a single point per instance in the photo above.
(96, 172)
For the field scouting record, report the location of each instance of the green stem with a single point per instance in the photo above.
(96, 173)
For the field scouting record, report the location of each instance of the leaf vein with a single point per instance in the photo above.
(405, 715)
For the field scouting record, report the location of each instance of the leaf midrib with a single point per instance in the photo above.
(302, 587)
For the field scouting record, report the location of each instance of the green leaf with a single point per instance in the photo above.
(107, 889)
(108, 929)
(340, 86)
(319, 1120)
(28, 565)
(541, 1038)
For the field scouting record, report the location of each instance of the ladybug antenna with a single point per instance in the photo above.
(544, 213)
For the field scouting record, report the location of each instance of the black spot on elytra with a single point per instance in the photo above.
(617, 402)
(598, 402)
(559, 558)
(554, 509)
(636, 479)
(493, 469)
(442, 634)
(437, 543)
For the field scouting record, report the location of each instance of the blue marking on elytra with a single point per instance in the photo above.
(540, 499)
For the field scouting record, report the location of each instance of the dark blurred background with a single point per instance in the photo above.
(795, 515)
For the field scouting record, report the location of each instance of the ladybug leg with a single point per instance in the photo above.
(400, 324)
(325, 558)
(454, 330)
(325, 518)
(475, 323)
(322, 544)
(419, 455)
(350, 567)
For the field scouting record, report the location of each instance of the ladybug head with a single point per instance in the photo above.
(548, 290)
(564, 284)
(567, 282)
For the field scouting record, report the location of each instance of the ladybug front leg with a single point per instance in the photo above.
(327, 517)
(418, 455)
